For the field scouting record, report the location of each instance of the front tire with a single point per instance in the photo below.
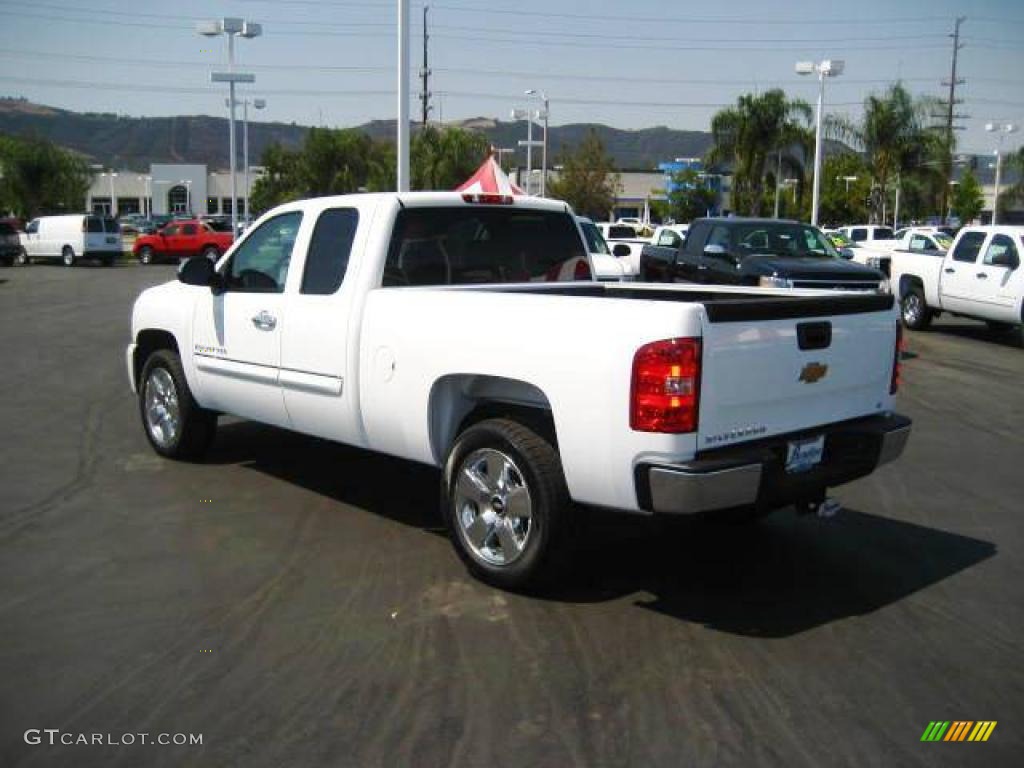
(506, 504)
(914, 309)
(211, 253)
(175, 424)
(22, 258)
(67, 255)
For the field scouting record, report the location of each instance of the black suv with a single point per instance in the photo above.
(766, 252)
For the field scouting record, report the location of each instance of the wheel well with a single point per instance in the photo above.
(907, 282)
(459, 401)
(146, 344)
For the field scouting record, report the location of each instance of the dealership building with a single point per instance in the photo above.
(169, 189)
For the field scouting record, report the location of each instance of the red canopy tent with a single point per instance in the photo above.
(489, 179)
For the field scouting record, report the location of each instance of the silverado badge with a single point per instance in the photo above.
(813, 372)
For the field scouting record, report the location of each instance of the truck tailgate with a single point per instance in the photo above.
(767, 375)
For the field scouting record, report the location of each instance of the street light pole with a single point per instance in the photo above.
(1002, 130)
(113, 200)
(231, 27)
(825, 68)
(402, 172)
(544, 153)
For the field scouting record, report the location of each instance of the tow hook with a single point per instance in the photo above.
(823, 508)
(828, 508)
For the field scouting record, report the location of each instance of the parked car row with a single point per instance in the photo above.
(73, 238)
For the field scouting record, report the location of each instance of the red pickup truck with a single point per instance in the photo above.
(181, 240)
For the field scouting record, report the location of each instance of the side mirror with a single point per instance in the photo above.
(199, 270)
(620, 250)
(715, 251)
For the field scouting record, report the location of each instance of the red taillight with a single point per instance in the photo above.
(894, 385)
(582, 271)
(665, 392)
(483, 198)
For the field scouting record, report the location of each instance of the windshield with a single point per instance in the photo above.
(595, 243)
(790, 240)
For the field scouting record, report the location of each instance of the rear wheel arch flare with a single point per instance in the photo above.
(458, 401)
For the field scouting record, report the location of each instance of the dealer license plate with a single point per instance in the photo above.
(803, 455)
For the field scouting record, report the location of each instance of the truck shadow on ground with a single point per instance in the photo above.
(976, 331)
(774, 578)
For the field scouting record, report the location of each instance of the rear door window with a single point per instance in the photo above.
(1001, 244)
(969, 246)
(111, 226)
(858, 234)
(189, 229)
(883, 233)
(94, 224)
(483, 244)
(329, 251)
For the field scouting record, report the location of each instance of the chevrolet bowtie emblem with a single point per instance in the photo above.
(813, 372)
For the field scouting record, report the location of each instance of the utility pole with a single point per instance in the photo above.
(951, 115)
(425, 71)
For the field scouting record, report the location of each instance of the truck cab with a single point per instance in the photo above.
(979, 276)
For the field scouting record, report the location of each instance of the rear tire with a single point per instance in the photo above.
(175, 424)
(145, 255)
(506, 504)
(22, 258)
(914, 309)
(67, 255)
(211, 253)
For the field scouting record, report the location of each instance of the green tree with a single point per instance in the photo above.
(749, 135)
(38, 177)
(587, 181)
(968, 199)
(843, 197)
(443, 158)
(689, 197)
(330, 162)
(897, 146)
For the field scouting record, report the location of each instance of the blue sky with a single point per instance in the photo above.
(628, 64)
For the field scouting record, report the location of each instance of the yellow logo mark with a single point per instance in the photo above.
(813, 372)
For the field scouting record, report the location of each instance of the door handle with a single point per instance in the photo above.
(264, 321)
(949, 270)
(982, 275)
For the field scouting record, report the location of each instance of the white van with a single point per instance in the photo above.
(73, 237)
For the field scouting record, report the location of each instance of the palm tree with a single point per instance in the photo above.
(750, 135)
(893, 137)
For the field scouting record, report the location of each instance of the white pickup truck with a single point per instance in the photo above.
(979, 276)
(436, 327)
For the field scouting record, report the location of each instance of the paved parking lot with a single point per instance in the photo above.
(295, 603)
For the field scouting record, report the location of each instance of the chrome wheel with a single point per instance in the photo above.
(145, 255)
(493, 507)
(913, 309)
(68, 256)
(163, 416)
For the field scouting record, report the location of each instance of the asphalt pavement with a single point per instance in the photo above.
(295, 602)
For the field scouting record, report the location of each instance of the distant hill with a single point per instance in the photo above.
(136, 142)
